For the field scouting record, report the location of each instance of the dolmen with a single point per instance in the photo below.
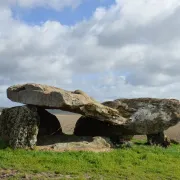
(119, 120)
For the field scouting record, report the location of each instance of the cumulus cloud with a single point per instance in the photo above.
(131, 49)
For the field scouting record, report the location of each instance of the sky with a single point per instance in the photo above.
(108, 48)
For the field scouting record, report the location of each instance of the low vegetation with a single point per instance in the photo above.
(138, 162)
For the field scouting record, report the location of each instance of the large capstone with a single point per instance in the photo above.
(19, 126)
(147, 115)
(55, 98)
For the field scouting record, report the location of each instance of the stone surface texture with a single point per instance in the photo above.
(75, 143)
(147, 115)
(118, 118)
(20, 126)
(55, 98)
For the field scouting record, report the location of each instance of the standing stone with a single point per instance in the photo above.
(158, 139)
(19, 126)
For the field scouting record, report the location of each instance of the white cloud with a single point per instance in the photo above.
(131, 49)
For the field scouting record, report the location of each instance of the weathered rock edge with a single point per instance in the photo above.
(55, 98)
(147, 115)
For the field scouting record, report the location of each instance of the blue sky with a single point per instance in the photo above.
(66, 16)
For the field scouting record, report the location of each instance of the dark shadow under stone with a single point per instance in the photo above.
(49, 124)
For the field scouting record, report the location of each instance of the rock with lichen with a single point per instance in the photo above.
(147, 115)
(19, 126)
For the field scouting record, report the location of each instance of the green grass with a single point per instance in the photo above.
(138, 162)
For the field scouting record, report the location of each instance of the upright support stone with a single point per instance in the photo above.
(19, 126)
(158, 139)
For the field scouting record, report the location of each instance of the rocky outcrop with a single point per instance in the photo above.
(19, 126)
(147, 115)
(55, 98)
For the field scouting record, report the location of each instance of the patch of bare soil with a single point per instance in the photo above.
(7, 173)
(173, 133)
(68, 122)
(14, 174)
